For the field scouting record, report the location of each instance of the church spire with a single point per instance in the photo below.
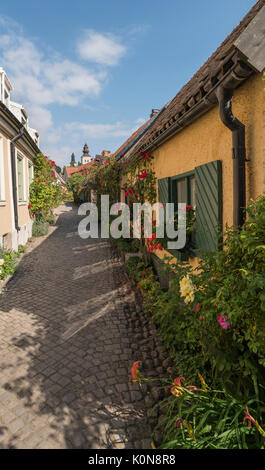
(72, 163)
(85, 150)
(86, 158)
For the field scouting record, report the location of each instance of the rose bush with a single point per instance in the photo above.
(45, 192)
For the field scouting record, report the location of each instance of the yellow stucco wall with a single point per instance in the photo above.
(207, 139)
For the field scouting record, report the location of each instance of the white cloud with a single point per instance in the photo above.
(43, 80)
(96, 131)
(104, 49)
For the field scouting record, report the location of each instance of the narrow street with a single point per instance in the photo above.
(65, 351)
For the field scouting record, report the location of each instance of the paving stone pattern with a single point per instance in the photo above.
(70, 328)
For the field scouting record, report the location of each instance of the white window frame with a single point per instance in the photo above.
(22, 158)
(2, 172)
(30, 173)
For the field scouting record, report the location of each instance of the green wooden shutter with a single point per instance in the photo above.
(164, 190)
(208, 180)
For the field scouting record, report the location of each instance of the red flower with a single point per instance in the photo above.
(187, 208)
(142, 175)
(100, 182)
(248, 418)
(140, 154)
(29, 206)
(39, 180)
(147, 155)
(126, 193)
(53, 175)
(53, 163)
(178, 422)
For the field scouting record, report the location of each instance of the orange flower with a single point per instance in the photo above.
(136, 376)
(176, 388)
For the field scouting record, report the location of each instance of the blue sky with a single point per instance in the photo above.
(91, 71)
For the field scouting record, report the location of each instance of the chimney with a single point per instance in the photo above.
(154, 112)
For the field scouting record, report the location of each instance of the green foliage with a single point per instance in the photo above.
(40, 228)
(128, 245)
(21, 249)
(228, 285)
(135, 267)
(50, 219)
(211, 419)
(9, 261)
(45, 192)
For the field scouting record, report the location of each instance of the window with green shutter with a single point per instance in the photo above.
(201, 189)
(20, 178)
(208, 179)
(166, 193)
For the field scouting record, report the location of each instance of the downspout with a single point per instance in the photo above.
(225, 96)
(14, 175)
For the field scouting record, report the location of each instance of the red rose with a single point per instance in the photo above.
(143, 175)
(39, 180)
(29, 206)
(187, 208)
(53, 175)
(100, 182)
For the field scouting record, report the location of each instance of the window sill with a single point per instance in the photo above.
(22, 203)
(2, 203)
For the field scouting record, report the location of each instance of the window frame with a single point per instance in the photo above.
(173, 196)
(173, 186)
(30, 173)
(2, 172)
(21, 158)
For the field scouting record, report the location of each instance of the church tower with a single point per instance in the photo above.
(86, 158)
(73, 163)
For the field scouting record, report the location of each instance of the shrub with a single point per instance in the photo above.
(21, 249)
(134, 266)
(40, 228)
(220, 322)
(50, 219)
(9, 261)
(128, 245)
(45, 192)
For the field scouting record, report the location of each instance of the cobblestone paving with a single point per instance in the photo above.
(65, 353)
